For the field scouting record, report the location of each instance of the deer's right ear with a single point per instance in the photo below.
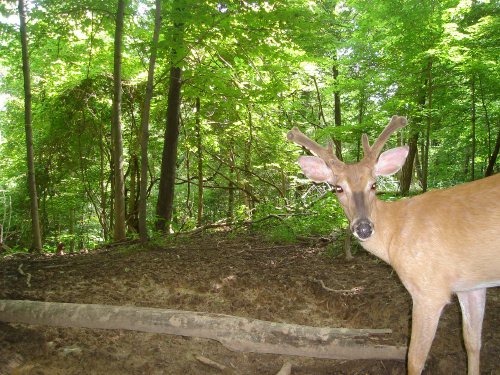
(391, 161)
(316, 169)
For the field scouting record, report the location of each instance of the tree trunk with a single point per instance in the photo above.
(407, 170)
(199, 146)
(231, 186)
(119, 233)
(103, 195)
(35, 221)
(473, 128)
(143, 189)
(425, 153)
(166, 189)
(337, 115)
(361, 113)
(247, 168)
(133, 200)
(165, 204)
(235, 333)
(494, 155)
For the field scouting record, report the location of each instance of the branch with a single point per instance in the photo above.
(235, 333)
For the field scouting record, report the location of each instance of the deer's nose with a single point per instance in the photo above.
(363, 229)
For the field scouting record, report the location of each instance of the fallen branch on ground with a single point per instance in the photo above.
(346, 292)
(286, 369)
(235, 333)
(209, 362)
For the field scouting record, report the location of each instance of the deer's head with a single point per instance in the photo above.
(354, 184)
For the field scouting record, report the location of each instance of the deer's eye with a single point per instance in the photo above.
(374, 186)
(338, 189)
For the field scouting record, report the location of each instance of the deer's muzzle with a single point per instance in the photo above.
(362, 229)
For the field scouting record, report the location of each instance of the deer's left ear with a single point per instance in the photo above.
(391, 161)
(316, 169)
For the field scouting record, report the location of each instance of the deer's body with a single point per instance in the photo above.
(441, 242)
(451, 236)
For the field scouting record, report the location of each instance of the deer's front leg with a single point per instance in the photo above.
(472, 304)
(425, 319)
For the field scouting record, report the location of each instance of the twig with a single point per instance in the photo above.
(209, 362)
(346, 292)
(28, 275)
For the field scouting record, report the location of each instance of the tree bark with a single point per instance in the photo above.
(473, 128)
(35, 220)
(143, 189)
(494, 155)
(247, 185)
(235, 333)
(103, 191)
(199, 146)
(231, 185)
(165, 205)
(166, 190)
(119, 233)
(425, 154)
(407, 170)
(337, 114)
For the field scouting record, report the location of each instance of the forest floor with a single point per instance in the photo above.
(245, 277)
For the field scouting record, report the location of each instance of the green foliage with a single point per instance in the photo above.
(258, 68)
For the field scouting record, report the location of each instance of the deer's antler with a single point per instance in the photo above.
(325, 153)
(371, 152)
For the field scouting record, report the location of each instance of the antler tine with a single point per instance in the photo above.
(366, 144)
(397, 122)
(325, 153)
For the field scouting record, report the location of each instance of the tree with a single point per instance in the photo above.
(116, 130)
(143, 231)
(35, 222)
(165, 203)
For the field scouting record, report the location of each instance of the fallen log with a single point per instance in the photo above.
(235, 333)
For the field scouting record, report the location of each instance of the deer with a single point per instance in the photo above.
(440, 243)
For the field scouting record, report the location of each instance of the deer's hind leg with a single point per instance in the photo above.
(472, 303)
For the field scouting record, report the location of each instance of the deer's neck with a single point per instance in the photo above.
(385, 217)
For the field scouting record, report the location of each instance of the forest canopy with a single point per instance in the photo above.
(198, 133)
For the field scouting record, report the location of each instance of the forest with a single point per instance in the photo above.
(157, 209)
(145, 118)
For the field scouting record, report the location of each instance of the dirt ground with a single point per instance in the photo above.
(245, 277)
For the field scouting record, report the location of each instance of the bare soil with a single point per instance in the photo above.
(247, 277)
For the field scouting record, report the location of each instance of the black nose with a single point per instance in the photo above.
(363, 229)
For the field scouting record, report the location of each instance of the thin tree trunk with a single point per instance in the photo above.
(143, 231)
(337, 114)
(35, 221)
(132, 212)
(361, 112)
(494, 155)
(425, 154)
(473, 128)
(249, 203)
(407, 170)
(199, 145)
(230, 200)
(486, 116)
(103, 190)
(119, 233)
(72, 230)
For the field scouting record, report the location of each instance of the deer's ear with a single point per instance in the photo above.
(391, 161)
(316, 169)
